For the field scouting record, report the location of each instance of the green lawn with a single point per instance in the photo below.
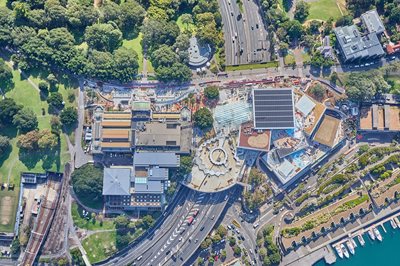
(190, 27)
(135, 45)
(100, 246)
(83, 223)
(252, 66)
(324, 9)
(3, 2)
(13, 163)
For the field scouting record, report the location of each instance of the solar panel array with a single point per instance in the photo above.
(273, 108)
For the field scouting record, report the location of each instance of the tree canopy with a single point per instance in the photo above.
(25, 120)
(8, 108)
(302, 10)
(69, 116)
(203, 118)
(211, 92)
(87, 182)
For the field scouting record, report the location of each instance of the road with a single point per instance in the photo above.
(173, 233)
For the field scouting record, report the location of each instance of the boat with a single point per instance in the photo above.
(397, 221)
(339, 251)
(371, 234)
(351, 247)
(353, 242)
(393, 224)
(377, 234)
(345, 252)
(361, 240)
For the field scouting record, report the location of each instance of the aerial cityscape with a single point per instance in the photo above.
(199, 132)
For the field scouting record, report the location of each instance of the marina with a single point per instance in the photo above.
(348, 248)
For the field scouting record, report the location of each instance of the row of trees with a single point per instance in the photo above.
(44, 32)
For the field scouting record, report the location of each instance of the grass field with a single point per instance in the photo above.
(324, 9)
(83, 223)
(190, 27)
(252, 66)
(13, 162)
(135, 45)
(100, 246)
(3, 2)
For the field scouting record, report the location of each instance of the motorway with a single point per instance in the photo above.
(174, 240)
(244, 33)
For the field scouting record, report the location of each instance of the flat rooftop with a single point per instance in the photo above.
(327, 131)
(273, 108)
(116, 123)
(116, 133)
(252, 139)
(159, 134)
(117, 115)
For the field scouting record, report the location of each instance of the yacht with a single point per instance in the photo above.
(361, 240)
(393, 224)
(353, 242)
(345, 252)
(371, 234)
(339, 251)
(397, 221)
(378, 234)
(351, 247)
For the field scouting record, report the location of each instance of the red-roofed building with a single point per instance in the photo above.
(393, 48)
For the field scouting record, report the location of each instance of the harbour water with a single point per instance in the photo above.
(374, 253)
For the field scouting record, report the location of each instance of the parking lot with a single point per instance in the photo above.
(244, 32)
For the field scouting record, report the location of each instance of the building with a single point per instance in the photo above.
(273, 108)
(116, 187)
(354, 46)
(141, 186)
(252, 139)
(111, 132)
(380, 118)
(326, 49)
(163, 136)
(372, 22)
(393, 48)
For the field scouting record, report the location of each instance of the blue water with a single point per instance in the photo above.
(374, 253)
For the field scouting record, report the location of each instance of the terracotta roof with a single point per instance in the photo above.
(115, 144)
(115, 134)
(116, 123)
(117, 116)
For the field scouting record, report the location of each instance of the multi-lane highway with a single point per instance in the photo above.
(175, 240)
(244, 32)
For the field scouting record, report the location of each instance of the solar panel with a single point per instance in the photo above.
(273, 108)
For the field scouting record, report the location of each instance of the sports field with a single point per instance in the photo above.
(325, 9)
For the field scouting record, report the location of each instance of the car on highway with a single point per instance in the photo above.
(180, 239)
(139, 258)
(190, 220)
(212, 218)
(255, 225)
(229, 227)
(195, 213)
(202, 228)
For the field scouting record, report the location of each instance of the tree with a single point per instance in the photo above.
(15, 246)
(55, 124)
(262, 252)
(47, 139)
(29, 140)
(206, 243)
(122, 241)
(302, 11)
(43, 86)
(221, 230)
(294, 29)
(223, 254)
(232, 241)
(216, 238)
(132, 15)
(211, 92)
(125, 64)
(318, 91)
(71, 96)
(346, 20)
(87, 182)
(103, 37)
(6, 77)
(121, 221)
(8, 109)
(266, 261)
(148, 221)
(25, 120)
(52, 80)
(334, 77)
(237, 250)
(56, 101)
(4, 144)
(187, 19)
(69, 116)
(158, 32)
(203, 118)
(177, 72)
(163, 56)
(275, 257)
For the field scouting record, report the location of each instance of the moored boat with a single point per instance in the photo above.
(351, 247)
(397, 221)
(377, 234)
(353, 242)
(393, 224)
(361, 240)
(345, 252)
(339, 251)
(371, 234)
